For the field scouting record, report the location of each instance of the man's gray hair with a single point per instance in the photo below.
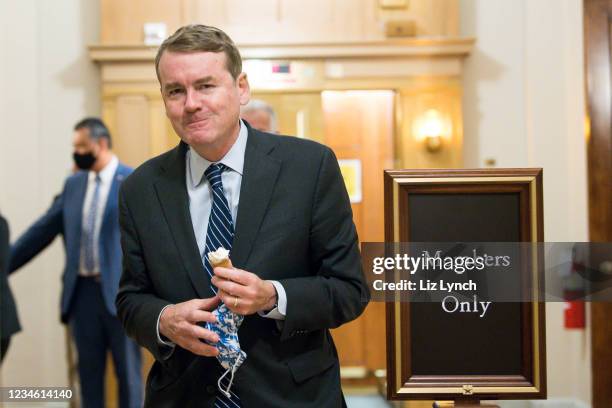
(255, 105)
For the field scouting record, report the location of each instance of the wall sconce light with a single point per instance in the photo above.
(431, 128)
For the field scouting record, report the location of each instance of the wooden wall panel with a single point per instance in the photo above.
(210, 12)
(435, 17)
(122, 22)
(132, 124)
(278, 21)
(302, 23)
(355, 24)
(158, 138)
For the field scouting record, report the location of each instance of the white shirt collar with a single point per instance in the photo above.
(234, 158)
(107, 173)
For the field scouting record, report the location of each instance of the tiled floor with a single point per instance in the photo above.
(365, 401)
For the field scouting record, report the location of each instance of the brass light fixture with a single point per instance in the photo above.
(431, 128)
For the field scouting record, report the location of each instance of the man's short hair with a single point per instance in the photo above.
(97, 129)
(256, 105)
(201, 38)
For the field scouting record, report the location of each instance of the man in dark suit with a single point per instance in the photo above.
(86, 215)
(281, 205)
(9, 322)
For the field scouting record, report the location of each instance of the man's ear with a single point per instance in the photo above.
(243, 88)
(103, 144)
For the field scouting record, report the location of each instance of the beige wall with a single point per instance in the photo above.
(524, 106)
(47, 83)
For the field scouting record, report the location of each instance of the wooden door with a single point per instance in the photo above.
(598, 70)
(359, 128)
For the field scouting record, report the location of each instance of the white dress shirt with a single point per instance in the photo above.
(200, 203)
(106, 180)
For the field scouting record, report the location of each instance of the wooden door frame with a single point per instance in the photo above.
(598, 69)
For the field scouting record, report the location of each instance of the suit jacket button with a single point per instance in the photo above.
(211, 389)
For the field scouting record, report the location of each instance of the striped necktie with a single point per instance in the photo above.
(220, 233)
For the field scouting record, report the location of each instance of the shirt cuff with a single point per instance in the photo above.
(159, 339)
(280, 311)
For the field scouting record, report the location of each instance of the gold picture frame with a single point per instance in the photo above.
(416, 367)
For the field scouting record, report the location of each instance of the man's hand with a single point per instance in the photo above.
(243, 292)
(179, 323)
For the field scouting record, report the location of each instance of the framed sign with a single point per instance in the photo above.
(432, 354)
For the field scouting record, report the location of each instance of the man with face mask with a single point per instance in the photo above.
(86, 215)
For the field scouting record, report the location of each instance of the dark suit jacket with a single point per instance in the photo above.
(294, 225)
(65, 217)
(9, 323)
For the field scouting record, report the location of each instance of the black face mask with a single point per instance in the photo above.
(84, 161)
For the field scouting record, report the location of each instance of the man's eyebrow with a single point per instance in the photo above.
(172, 85)
(207, 78)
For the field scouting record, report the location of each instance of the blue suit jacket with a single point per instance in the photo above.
(65, 217)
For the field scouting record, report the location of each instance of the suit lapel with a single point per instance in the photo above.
(113, 193)
(174, 200)
(76, 205)
(258, 180)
